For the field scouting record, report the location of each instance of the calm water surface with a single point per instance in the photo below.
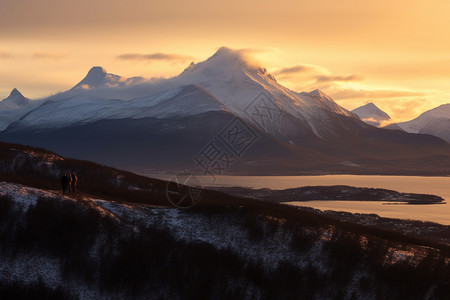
(410, 184)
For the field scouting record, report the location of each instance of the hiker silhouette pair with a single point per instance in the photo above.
(69, 183)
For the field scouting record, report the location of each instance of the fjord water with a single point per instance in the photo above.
(440, 186)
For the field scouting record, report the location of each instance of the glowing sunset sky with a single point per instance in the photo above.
(394, 53)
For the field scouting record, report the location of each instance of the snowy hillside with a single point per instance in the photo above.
(117, 237)
(86, 247)
(372, 115)
(435, 121)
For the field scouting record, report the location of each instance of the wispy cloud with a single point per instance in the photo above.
(404, 109)
(155, 57)
(252, 50)
(314, 76)
(349, 93)
(34, 55)
(341, 78)
(293, 70)
(5, 54)
(47, 55)
(401, 105)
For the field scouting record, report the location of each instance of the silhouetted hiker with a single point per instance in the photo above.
(74, 181)
(65, 183)
(69, 183)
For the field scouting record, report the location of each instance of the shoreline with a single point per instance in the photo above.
(424, 229)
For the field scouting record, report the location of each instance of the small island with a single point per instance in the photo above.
(336, 192)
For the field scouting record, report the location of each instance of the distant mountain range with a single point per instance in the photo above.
(435, 121)
(221, 115)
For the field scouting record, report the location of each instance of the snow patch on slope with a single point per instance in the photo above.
(27, 196)
(223, 233)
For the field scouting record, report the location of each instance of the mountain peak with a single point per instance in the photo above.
(97, 70)
(237, 55)
(231, 64)
(323, 100)
(233, 58)
(370, 105)
(15, 99)
(98, 77)
(318, 93)
(15, 92)
(223, 51)
(371, 114)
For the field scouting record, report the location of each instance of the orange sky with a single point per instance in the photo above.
(394, 53)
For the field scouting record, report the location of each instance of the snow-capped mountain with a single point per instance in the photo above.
(236, 82)
(371, 114)
(13, 107)
(252, 93)
(14, 100)
(435, 121)
(167, 122)
(227, 79)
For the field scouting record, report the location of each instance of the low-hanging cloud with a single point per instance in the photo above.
(155, 57)
(378, 123)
